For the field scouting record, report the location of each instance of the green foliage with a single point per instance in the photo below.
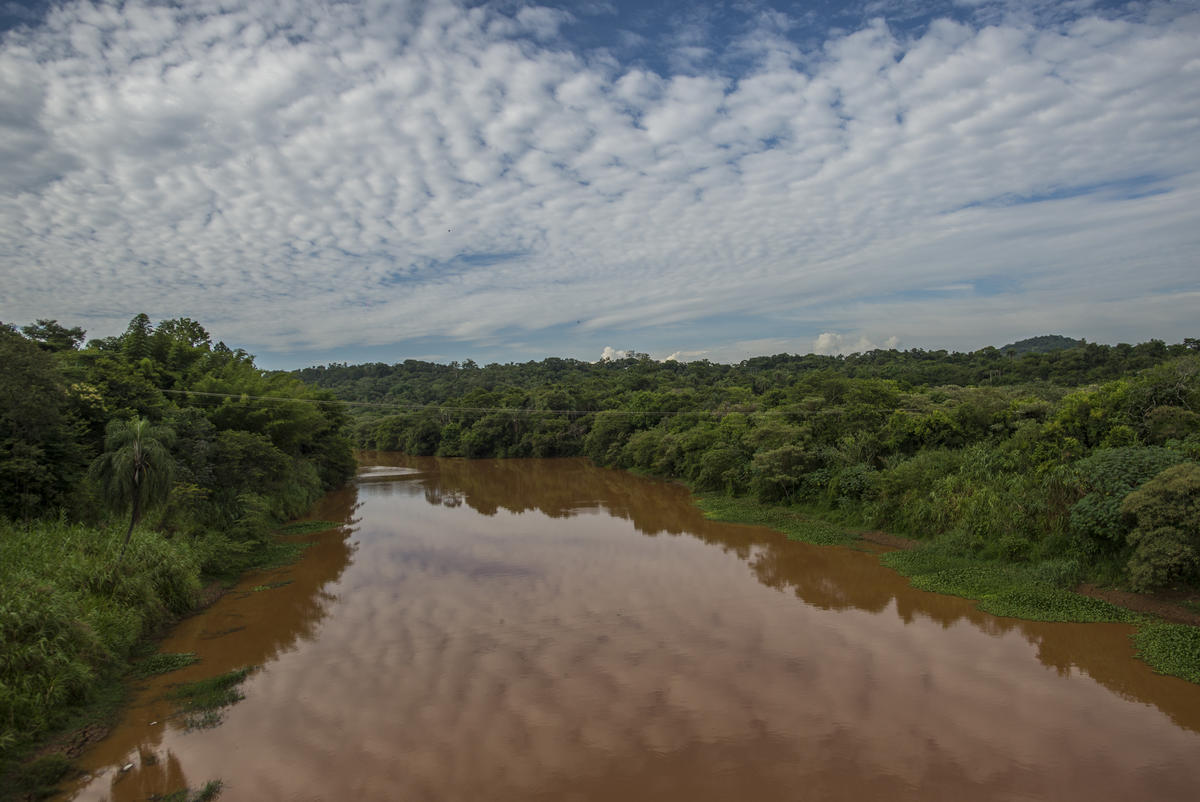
(41, 458)
(1172, 649)
(64, 626)
(1002, 589)
(1106, 478)
(1166, 536)
(164, 662)
(795, 525)
(135, 469)
(1040, 345)
(1019, 457)
(39, 778)
(201, 702)
(307, 527)
(240, 465)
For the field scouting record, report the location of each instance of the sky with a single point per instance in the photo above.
(504, 181)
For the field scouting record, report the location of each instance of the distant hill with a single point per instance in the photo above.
(1041, 345)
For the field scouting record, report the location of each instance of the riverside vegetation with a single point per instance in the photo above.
(138, 467)
(133, 470)
(1022, 471)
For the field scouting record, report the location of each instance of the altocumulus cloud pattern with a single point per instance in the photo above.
(514, 181)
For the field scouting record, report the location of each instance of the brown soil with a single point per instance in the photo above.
(72, 744)
(1165, 604)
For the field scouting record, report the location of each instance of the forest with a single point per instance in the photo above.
(133, 470)
(1036, 466)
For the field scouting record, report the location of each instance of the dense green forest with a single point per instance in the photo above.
(1081, 461)
(132, 469)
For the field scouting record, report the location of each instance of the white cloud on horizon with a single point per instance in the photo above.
(310, 177)
(829, 342)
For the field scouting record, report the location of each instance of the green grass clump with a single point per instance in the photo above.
(68, 625)
(795, 525)
(164, 662)
(306, 527)
(1016, 591)
(1172, 649)
(270, 586)
(37, 779)
(1047, 603)
(201, 702)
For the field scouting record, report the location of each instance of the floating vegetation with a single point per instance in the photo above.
(279, 553)
(795, 525)
(270, 586)
(306, 527)
(201, 703)
(164, 662)
(1170, 649)
(1001, 589)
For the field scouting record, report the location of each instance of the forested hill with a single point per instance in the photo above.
(413, 381)
(1036, 459)
(1044, 344)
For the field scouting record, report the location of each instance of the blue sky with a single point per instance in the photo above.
(359, 181)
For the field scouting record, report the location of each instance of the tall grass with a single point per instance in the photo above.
(66, 620)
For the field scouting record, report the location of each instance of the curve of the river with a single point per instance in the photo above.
(548, 630)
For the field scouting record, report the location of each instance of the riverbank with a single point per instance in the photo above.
(1167, 624)
(76, 632)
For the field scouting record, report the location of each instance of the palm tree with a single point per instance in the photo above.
(135, 469)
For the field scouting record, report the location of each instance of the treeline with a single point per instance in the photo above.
(130, 468)
(1082, 460)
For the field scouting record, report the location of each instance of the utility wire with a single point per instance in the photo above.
(440, 408)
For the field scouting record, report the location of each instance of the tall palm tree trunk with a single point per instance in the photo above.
(133, 519)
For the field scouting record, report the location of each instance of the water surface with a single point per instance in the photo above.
(548, 630)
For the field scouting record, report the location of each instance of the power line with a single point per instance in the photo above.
(440, 408)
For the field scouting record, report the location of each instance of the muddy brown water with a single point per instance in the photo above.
(548, 630)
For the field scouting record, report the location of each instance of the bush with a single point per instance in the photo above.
(1107, 477)
(1166, 537)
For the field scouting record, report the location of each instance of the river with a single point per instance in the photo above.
(549, 630)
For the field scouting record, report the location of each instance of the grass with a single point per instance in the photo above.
(1039, 591)
(796, 525)
(201, 702)
(1172, 649)
(307, 527)
(1015, 591)
(164, 662)
(270, 586)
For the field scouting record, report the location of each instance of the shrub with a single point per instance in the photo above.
(1166, 537)
(1107, 477)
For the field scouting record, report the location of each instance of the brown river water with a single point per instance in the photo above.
(548, 630)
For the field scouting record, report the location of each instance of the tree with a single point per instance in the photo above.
(1166, 539)
(135, 469)
(53, 337)
(40, 457)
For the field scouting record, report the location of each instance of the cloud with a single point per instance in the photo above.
(829, 342)
(307, 176)
(685, 356)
